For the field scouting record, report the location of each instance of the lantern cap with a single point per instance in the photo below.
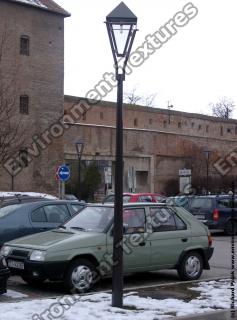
(121, 14)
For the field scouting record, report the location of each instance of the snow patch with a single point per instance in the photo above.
(31, 194)
(213, 295)
(14, 294)
(36, 3)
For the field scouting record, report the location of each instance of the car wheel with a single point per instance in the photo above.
(33, 281)
(81, 276)
(191, 266)
(228, 228)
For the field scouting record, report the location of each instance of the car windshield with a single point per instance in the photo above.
(91, 219)
(201, 203)
(9, 209)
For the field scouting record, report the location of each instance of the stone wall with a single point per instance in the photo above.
(148, 145)
(40, 76)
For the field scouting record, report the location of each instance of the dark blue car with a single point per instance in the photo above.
(18, 220)
(215, 211)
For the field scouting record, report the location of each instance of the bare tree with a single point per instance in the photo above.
(12, 131)
(223, 109)
(132, 97)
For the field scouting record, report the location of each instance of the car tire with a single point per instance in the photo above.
(81, 276)
(33, 281)
(191, 266)
(228, 228)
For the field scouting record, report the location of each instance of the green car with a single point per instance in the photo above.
(79, 253)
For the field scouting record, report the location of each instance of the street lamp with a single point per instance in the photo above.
(80, 147)
(121, 26)
(207, 156)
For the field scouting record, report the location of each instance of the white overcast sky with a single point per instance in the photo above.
(197, 66)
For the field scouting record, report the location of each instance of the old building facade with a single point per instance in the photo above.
(32, 62)
(157, 144)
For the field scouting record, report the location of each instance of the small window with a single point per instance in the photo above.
(23, 157)
(135, 122)
(24, 104)
(150, 121)
(145, 199)
(228, 130)
(25, 46)
(162, 220)
(179, 125)
(221, 131)
(165, 124)
(199, 127)
(101, 115)
(192, 124)
(180, 225)
(38, 215)
(207, 128)
(224, 203)
(56, 213)
(135, 219)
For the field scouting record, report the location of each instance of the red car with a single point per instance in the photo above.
(137, 197)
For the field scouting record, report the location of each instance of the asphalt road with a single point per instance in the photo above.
(220, 268)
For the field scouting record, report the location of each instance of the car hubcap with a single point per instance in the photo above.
(192, 266)
(82, 278)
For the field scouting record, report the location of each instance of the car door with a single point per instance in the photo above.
(169, 236)
(136, 249)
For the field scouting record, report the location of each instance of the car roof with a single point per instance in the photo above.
(141, 194)
(45, 202)
(132, 204)
(213, 196)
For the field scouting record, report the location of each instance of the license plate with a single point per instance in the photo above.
(200, 216)
(15, 264)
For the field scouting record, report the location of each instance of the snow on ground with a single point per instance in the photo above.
(14, 294)
(31, 194)
(213, 295)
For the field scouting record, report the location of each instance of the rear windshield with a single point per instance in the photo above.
(201, 203)
(9, 209)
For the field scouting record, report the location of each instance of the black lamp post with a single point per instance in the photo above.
(207, 156)
(121, 25)
(80, 147)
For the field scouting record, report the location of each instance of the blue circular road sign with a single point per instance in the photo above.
(63, 173)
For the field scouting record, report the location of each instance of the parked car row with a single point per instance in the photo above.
(68, 240)
(167, 237)
(215, 211)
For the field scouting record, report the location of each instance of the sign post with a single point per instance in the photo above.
(62, 175)
(185, 181)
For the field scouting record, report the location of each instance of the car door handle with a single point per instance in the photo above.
(184, 239)
(142, 244)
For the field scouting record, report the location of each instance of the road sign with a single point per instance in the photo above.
(108, 175)
(63, 173)
(185, 172)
